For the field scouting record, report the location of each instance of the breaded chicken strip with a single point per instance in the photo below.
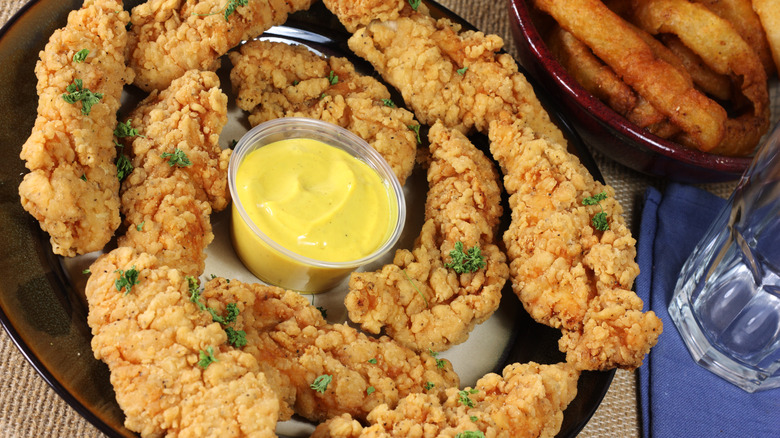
(170, 37)
(167, 204)
(527, 401)
(418, 300)
(567, 273)
(356, 14)
(295, 345)
(72, 188)
(275, 80)
(154, 339)
(448, 75)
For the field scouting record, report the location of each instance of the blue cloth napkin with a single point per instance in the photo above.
(679, 398)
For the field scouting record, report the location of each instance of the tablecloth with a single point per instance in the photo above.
(30, 408)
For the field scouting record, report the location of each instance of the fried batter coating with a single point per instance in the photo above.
(418, 300)
(72, 188)
(356, 14)
(527, 401)
(275, 80)
(294, 345)
(448, 75)
(170, 37)
(167, 207)
(568, 274)
(152, 337)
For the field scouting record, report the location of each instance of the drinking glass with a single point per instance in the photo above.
(726, 303)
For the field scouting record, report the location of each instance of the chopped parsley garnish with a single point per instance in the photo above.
(439, 362)
(232, 143)
(428, 386)
(474, 418)
(369, 390)
(462, 71)
(231, 314)
(323, 96)
(468, 261)
(229, 8)
(84, 177)
(372, 360)
(599, 220)
(125, 129)
(127, 279)
(140, 226)
(321, 383)
(177, 158)
(194, 289)
(123, 165)
(425, 300)
(323, 311)
(471, 434)
(81, 55)
(86, 271)
(464, 399)
(388, 102)
(333, 78)
(416, 129)
(236, 338)
(207, 357)
(76, 92)
(414, 4)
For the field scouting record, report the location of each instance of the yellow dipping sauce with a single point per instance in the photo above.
(315, 200)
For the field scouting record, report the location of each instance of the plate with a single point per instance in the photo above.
(42, 304)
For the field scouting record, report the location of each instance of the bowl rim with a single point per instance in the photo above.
(521, 13)
(342, 139)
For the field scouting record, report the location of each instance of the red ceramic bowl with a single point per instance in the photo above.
(600, 126)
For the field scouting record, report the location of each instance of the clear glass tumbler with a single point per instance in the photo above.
(726, 304)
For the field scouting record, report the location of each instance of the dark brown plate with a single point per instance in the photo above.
(42, 305)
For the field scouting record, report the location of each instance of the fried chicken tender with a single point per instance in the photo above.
(448, 75)
(568, 274)
(528, 400)
(417, 299)
(167, 206)
(294, 345)
(356, 14)
(153, 337)
(72, 188)
(274, 80)
(170, 37)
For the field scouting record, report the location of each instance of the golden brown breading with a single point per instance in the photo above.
(167, 207)
(527, 401)
(295, 345)
(568, 274)
(448, 75)
(170, 37)
(417, 300)
(72, 188)
(275, 80)
(152, 337)
(356, 14)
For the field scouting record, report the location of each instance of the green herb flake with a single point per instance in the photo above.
(599, 220)
(127, 279)
(321, 383)
(177, 158)
(76, 92)
(236, 338)
(428, 386)
(232, 5)
(372, 360)
(468, 261)
(462, 71)
(464, 399)
(232, 143)
(471, 434)
(388, 102)
(140, 226)
(194, 290)
(439, 362)
(416, 129)
(207, 357)
(323, 311)
(123, 130)
(333, 78)
(474, 418)
(86, 271)
(414, 4)
(370, 390)
(81, 55)
(425, 300)
(84, 177)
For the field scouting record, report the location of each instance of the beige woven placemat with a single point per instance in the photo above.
(30, 408)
